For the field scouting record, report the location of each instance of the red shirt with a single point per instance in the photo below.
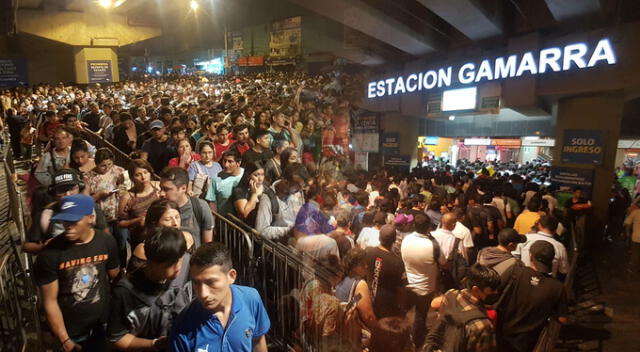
(220, 149)
(173, 162)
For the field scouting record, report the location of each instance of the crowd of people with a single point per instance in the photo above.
(127, 255)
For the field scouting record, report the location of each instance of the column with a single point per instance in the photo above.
(597, 112)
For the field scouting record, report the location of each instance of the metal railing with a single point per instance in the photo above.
(120, 158)
(19, 320)
(284, 277)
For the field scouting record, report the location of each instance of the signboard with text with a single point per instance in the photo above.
(391, 143)
(99, 71)
(366, 136)
(567, 178)
(398, 162)
(13, 72)
(582, 147)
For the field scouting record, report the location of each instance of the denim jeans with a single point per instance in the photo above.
(422, 305)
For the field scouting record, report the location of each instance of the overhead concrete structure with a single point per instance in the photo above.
(373, 22)
(563, 10)
(466, 16)
(83, 28)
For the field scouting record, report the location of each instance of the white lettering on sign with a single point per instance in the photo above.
(554, 59)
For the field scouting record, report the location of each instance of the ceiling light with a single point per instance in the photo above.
(194, 5)
(105, 3)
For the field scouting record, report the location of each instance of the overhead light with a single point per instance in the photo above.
(452, 117)
(108, 4)
(194, 5)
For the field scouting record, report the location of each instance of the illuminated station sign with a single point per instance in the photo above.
(556, 59)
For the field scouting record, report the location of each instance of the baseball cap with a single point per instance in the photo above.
(542, 254)
(156, 124)
(509, 235)
(66, 177)
(75, 207)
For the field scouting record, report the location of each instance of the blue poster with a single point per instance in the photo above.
(582, 147)
(391, 143)
(99, 71)
(567, 178)
(13, 72)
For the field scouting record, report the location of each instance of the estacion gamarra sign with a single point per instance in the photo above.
(556, 59)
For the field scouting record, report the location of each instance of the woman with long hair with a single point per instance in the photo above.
(201, 172)
(354, 268)
(134, 203)
(289, 156)
(81, 159)
(185, 155)
(161, 213)
(246, 194)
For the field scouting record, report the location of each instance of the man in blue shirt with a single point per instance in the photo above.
(225, 317)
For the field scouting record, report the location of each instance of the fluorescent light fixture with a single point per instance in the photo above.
(459, 99)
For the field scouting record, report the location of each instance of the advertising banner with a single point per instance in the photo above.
(285, 39)
(582, 147)
(567, 178)
(13, 72)
(366, 135)
(99, 71)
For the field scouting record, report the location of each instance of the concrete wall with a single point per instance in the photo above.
(47, 61)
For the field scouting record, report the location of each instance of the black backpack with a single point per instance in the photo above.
(448, 334)
(457, 270)
(163, 309)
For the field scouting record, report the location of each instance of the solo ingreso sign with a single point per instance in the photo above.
(557, 59)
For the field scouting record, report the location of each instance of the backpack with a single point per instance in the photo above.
(457, 268)
(448, 334)
(162, 310)
(200, 182)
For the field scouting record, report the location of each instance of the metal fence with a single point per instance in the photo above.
(285, 278)
(120, 158)
(19, 319)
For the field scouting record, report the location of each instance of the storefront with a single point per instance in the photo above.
(521, 150)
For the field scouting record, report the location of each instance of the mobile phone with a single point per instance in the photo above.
(353, 302)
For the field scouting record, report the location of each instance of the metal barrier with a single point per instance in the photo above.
(283, 276)
(19, 319)
(240, 244)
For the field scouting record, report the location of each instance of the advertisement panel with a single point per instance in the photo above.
(567, 178)
(13, 72)
(285, 38)
(366, 136)
(398, 162)
(582, 147)
(99, 71)
(391, 143)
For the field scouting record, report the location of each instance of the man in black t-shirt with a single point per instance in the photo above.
(158, 149)
(386, 276)
(92, 117)
(73, 273)
(137, 320)
(532, 299)
(261, 150)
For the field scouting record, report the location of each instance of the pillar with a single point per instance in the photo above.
(601, 112)
(95, 65)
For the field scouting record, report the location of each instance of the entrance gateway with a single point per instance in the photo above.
(555, 59)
